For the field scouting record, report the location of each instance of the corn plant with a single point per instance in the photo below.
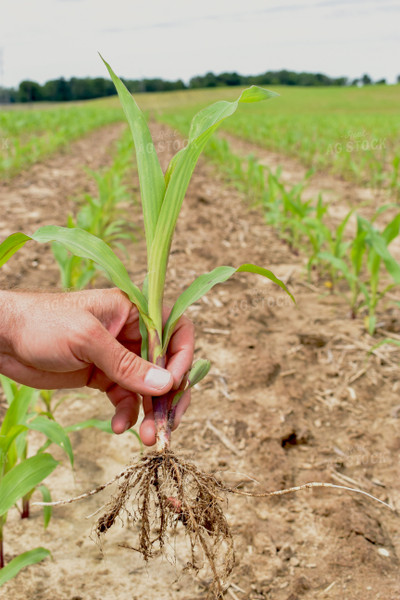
(102, 215)
(27, 412)
(20, 475)
(368, 249)
(174, 487)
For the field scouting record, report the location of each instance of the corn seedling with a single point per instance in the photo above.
(165, 489)
(102, 215)
(20, 475)
(25, 410)
(368, 248)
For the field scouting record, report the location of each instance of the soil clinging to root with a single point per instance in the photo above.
(164, 491)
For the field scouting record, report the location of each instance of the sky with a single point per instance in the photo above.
(177, 39)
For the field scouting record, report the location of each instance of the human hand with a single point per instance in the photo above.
(92, 338)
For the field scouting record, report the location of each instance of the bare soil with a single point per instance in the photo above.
(292, 397)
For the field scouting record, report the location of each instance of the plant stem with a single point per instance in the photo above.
(25, 506)
(161, 404)
(1, 543)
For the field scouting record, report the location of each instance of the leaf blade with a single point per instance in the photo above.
(54, 432)
(152, 183)
(47, 510)
(22, 478)
(18, 563)
(11, 245)
(178, 174)
(202, 284)
(84, 244)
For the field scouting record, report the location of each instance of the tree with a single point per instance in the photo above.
(366, 79)
(29, 91)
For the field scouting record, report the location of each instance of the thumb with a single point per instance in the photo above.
(123, 367)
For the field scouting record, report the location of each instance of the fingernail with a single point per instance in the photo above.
(157, 378)
(127, 425)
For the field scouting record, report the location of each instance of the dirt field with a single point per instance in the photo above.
(292, 397)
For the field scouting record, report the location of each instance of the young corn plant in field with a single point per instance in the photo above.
(102, 215)
(369, 251)
(164, 489)
(20, 476)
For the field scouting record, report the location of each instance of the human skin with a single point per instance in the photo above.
(91, 338)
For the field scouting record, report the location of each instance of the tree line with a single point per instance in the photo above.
(87, 88)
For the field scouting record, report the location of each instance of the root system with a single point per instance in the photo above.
(162, 492)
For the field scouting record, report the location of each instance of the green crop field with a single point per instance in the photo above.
(27, 135)
(351, 132)
(315, 367)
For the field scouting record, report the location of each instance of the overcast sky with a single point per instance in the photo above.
(46, 39)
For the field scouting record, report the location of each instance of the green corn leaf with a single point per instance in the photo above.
(378, 243)
(87, 275)
(358, 248)
(172, 164)
(20, 562)
(340, 265)
(152, 184)
(84, 244)
(10, 246)
(63, 258)
(47, 510)
(202, 127)
(7, 440)
(340, 230)
(55, 433)
(391, 230)
(203, 284)
(22, 478)
(99, 424)
(18, 408)
(9, 386)
(199, 370)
